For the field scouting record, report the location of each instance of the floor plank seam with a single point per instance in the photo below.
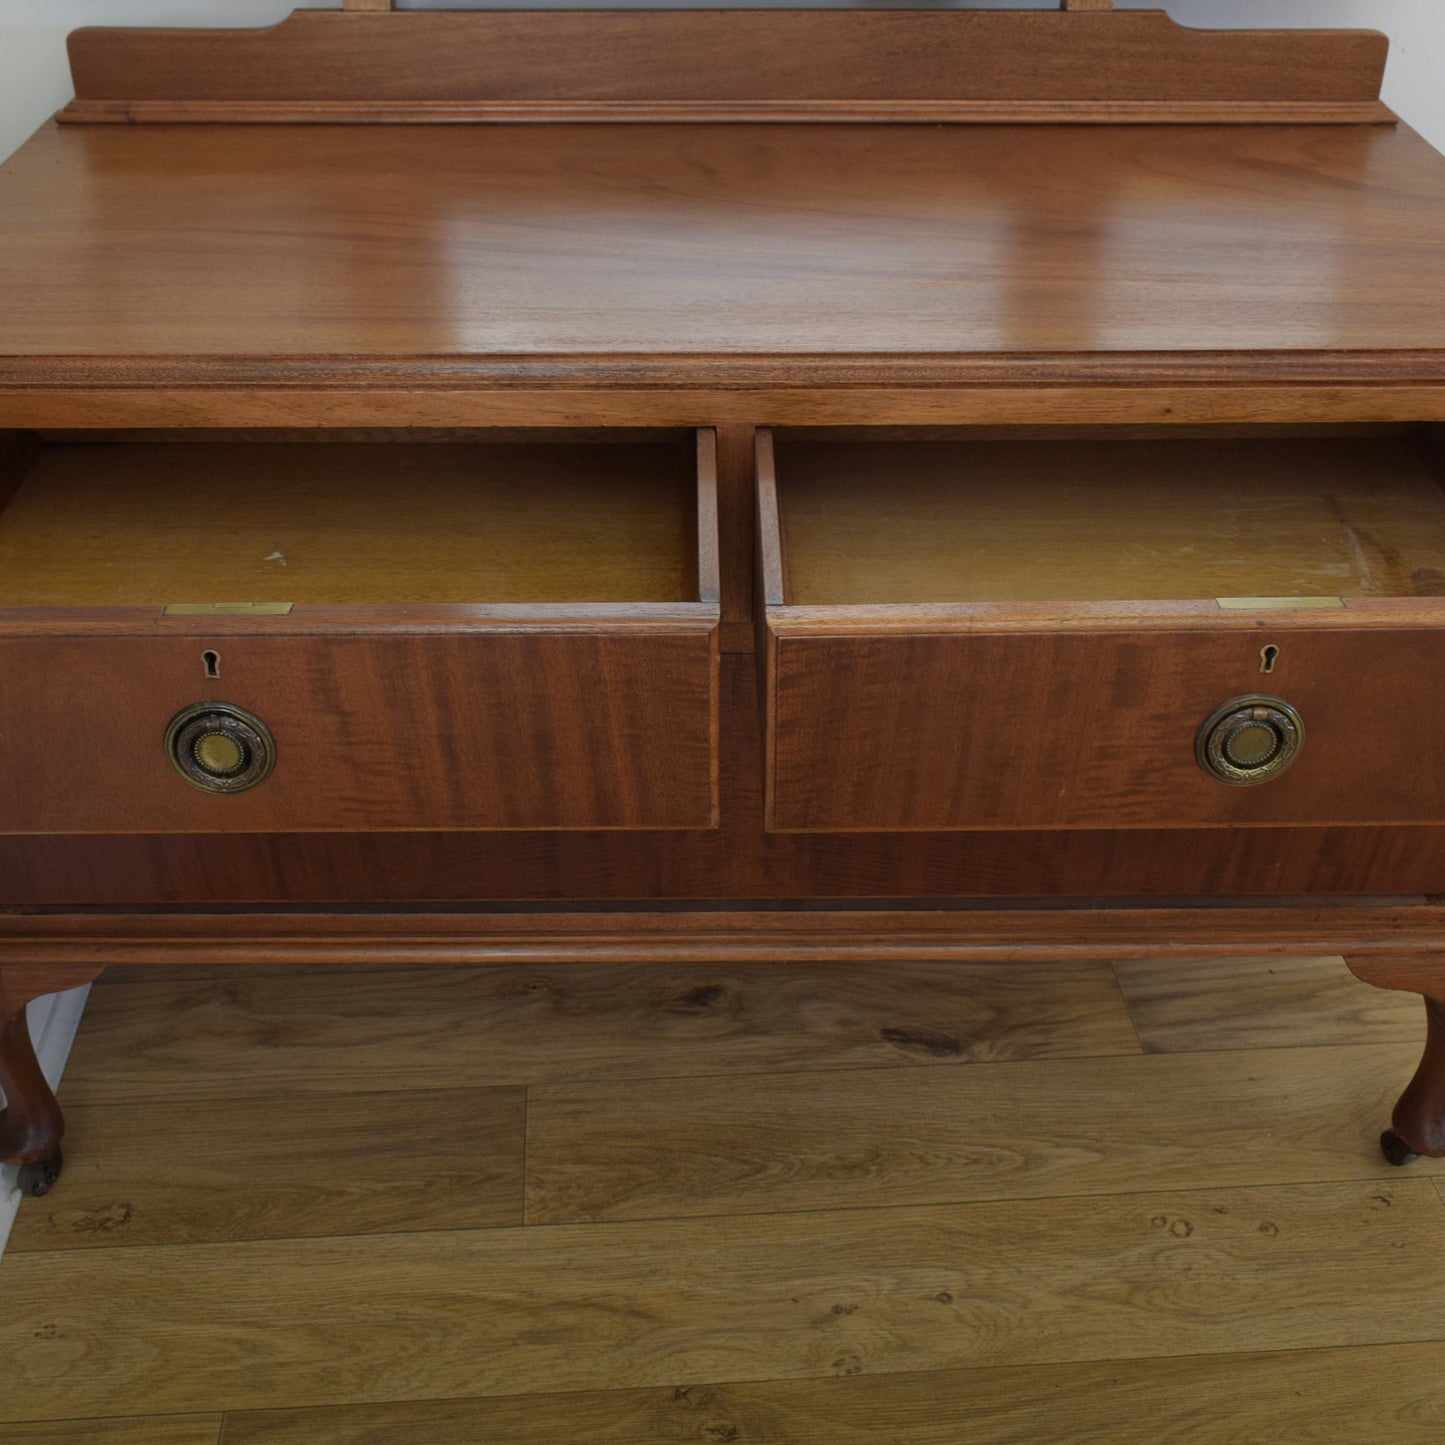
(729, 1382)
(196, 1415)
(882, 1070)
(526, 1152)
(129, 1102)
(1424, 1181)
(1128, 1006)
(1414, 1039)
(690, 1382)
(615, 1141)
(993, 1199)
(531, 1224)
(182, 1099)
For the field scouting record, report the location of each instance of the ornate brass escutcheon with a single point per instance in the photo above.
(220, 748)
(1249, 740)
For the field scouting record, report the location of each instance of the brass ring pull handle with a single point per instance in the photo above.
(1249, 740)
(220, 748)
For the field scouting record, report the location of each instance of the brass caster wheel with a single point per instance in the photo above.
(1396, 1150)
(38, 1177)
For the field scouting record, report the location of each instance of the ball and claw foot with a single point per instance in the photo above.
(38, 1177)
(1396, 1150)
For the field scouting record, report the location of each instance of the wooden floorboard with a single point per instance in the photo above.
(138, 1430)
(764, 1143)
(284, 1166)
(585, 1307)
(331, 1030)
(1393, 1393)
(124, 973)
(1188, 1004)
(918, 1205)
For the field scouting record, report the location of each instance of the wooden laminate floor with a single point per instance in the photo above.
(918, 1205)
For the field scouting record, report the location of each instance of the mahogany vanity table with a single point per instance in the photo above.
(720, 485)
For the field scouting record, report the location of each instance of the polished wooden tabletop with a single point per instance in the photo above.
(716, 241)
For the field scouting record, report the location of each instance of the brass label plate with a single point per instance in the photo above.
(228, 609)
(1280, 604)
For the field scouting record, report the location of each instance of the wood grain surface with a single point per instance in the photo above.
(1087, 1210)
(107, 526)
(1076, 519)
(738, 860)
(764, 1144)
(513, 1311)
(136, 1430)
(189, 1169)
(911, 727)
(1311, 1395)
(1260, 1003)
(17, 450)
(488, 254)
(740, 65)
(483, 281)
(346, 869)
(36, 943)
(957, 390)
(328, 1031)
(892, 1322)
(737, 534)
(484, 729)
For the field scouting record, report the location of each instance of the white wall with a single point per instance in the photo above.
(34, 81)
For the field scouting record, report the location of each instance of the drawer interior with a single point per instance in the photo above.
(135, 520)
(1103, 514)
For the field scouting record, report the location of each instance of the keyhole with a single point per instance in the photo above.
(213, 663)
(1268, 656)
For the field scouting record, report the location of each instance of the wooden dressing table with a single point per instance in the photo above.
(896, 485)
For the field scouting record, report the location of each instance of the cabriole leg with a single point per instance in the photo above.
(1418, 1124)
(31, 1125)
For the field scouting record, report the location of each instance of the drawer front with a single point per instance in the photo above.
(898, 731)
(476, 729)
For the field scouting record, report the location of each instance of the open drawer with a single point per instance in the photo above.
(1103, 629)
(289, 635)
